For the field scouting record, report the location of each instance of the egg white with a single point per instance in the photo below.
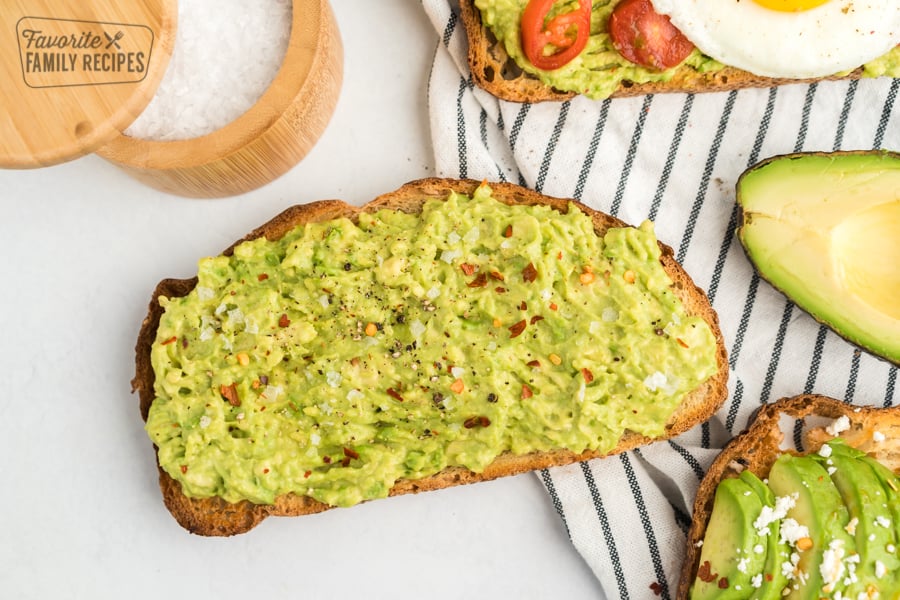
(834, 37)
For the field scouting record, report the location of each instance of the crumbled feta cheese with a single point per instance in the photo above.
(882, 521)
(880, 569)
(315, 439)
(250, 325)
(236, 316)
(877, 436)
(453, 238)
(457, 372)
(333, 378)
(851, 526)
(655, 381)
(205, 421)
(756, 581)
(546, 294)
(221, 308)
(838, 426)
(890, 548)
(759, 549)
(505, 244)
(742, 565)
(206, 334)
(791, 531)
(325, 408)
(770, 514)
(354, 395)
(825, 451)
(204, 293)
(433, 292)
(831, 470)
(323, 300)
(832, 567)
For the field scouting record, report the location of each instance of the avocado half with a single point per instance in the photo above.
(824, 228)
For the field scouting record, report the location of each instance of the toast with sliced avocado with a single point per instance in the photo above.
(820, 521)
(498, 59)
(445, 333)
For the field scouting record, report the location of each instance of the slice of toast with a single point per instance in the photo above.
(767, 437)
(493, 70)
(215, 516)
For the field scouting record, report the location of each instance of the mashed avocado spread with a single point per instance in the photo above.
(346, 356)
(599, 69)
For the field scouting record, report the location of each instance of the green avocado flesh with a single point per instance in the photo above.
(347, 356)
(599, 70)
(822, 228)
(826, 525)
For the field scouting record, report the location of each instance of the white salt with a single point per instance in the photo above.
(227, 53)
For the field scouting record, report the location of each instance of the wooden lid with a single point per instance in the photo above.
(77, 72)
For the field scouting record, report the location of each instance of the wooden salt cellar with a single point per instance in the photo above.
(267, 140)
(76, 72)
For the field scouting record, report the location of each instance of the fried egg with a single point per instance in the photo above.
(788, 38)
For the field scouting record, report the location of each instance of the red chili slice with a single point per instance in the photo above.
(568, 33)
(645, 37)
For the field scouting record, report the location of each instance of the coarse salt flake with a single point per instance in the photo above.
(878, 437)
(333, 378)
(609, 314)
(433, 292)
(457, 372)
(315, 439)
(205, 421)
(236, 316)
(354, 395)
(655, 381)
(272, 392)
(416, 328)
(204, 293)
(453, 238)
(472, 235)
(448, 256)
(323, 300)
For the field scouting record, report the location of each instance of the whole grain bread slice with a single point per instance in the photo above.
(494, 71)
(757, 447)
(214, 516)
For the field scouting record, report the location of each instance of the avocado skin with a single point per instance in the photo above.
(818, 506)
(730, 538)
(840, 312)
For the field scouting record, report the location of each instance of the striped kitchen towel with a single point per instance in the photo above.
(674, 159)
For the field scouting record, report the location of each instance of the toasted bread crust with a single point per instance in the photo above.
(757, 447)
(214, 516)
(494, 71)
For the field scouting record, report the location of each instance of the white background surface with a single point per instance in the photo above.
(81, 515)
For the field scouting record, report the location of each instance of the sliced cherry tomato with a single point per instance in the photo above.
(645, 37)
(568, 33)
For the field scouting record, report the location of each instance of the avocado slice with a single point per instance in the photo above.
(771, 579)
(822, 228)
(871, 521)
(728, 560)
(820, 508)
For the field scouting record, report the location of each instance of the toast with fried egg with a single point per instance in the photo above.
(498, 66)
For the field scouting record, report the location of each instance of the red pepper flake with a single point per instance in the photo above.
(283, 321)
(306, 474)
(479, 421)
(184, 343)
(553, 306)
(705, 574)
(169, 341)
(458, 386)
(480, 281)
(517, 329)
(326, 459)
(588, 376)
(183, 469)
(529, 273)
(266, 471)
(526, 392)
(533, 363)
(500, 290)
(351, 453)
(345, 462)
(723, 583)
(394, 394)
(682, 343)
(229, 392)
(497, 275)
(523, 306)
(656, 588)
(769, 577)
(262, 276)
(508, 232)
(467, 268)
(559, 255)
(535, 319)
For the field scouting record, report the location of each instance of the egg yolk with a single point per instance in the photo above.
(790, 5)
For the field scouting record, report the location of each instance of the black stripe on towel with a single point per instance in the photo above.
(629, 157)
(845, 114)
(592, 150)
(707, 175)
(448, 30)
(607, 532)
(551, 147)
(515, 131)
(461, 146)
(692, 462)
(670, 158)
(652, 545)
(554, 498)
(886, 113)
(889, 394)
